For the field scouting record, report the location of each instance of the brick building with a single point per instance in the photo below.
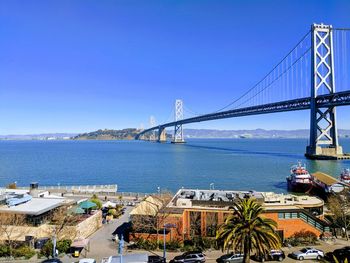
(200, 212)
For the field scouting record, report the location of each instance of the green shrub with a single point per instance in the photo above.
(4, 251)
(173, 245)
(63, 246)
(23, 251)
(112, 212)
(46, 250)
(97, 202)
(145, 244)
(302, 237)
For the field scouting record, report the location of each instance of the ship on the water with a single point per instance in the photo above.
(300, 179)
(345, 176)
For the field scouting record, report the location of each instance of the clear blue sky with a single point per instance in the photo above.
(81, 65)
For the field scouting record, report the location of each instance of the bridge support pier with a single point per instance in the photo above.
(178, 135)
(161, 135)
(323, 142)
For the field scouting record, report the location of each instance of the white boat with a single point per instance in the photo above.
(300, 179)
(345, 176)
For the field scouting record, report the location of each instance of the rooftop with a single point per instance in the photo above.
(35, 206)
(223, 199)
(325, 178)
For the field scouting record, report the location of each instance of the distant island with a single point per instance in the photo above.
(130, 133)
(106, 134)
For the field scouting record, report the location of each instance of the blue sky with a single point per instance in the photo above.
(82, 65)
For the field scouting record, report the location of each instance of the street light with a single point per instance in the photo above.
(165, 226)
(120, 248)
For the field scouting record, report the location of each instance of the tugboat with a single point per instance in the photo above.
(345, 176)
(300, 179)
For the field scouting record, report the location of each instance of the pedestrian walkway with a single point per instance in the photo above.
(101, 243)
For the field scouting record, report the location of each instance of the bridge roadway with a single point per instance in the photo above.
(328, 100)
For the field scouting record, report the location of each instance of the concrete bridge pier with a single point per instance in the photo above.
(161, 134)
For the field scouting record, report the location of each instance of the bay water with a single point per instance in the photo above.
(137, 166)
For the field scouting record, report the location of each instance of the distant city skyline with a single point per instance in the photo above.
(78, 66)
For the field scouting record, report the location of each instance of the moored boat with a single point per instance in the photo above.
(345, 176)
(300, 179)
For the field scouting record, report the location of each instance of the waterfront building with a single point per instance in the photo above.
(29, 214)
(200, 212)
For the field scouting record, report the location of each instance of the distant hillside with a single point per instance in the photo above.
(258, 133)
(130, 133)
(125, 134)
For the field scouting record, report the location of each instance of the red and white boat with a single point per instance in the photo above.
(300, 179)
(345, 176)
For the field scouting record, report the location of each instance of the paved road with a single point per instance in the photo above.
(101, 244)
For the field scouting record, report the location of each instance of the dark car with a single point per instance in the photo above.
(274, 255)
(340, 254)
(189, 257)
(231, 258)
(156, 259)
(52, 260)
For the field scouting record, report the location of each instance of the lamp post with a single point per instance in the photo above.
(165, 226)
(54, 246)
(120, 248)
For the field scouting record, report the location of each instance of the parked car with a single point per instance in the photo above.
(274, 255)
(87, 260)
(190, 257)
(308, 253)
(52, 260)
(231, 258)
(156, 259)
(340, 254)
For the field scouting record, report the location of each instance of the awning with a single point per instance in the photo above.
(325, 178)
(80, 243)
(87, 204)
(109, 204)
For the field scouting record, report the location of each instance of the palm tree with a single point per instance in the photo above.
(245, 230)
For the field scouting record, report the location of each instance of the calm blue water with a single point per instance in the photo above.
(241, 164)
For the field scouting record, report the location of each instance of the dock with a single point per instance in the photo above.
(327, 182)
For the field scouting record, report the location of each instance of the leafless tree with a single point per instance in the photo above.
(339, 206)
(211, 223)
(9, 224)
(195, 224)
(62, 220)
(153, 217)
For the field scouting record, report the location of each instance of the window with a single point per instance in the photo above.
(280, 215)
(195, 224)
(211, 224)
(294, 215)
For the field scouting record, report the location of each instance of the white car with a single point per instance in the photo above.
(87, 260)
(308, 253)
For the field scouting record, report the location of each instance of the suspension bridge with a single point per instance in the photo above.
(314, 75)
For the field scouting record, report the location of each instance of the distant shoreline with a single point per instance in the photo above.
(130, 133)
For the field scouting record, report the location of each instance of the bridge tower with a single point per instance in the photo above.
(152, 123)
(179, 115)
(323, 126)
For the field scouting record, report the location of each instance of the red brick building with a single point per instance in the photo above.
(201, 212)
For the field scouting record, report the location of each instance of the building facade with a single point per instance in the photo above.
(200, 212)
